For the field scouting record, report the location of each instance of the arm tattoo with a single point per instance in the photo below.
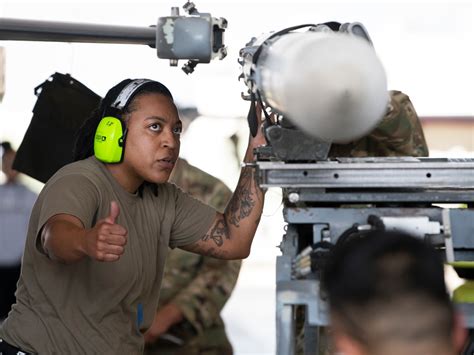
(202, 248)
(246, 196)
(218, 232)
(242, 202)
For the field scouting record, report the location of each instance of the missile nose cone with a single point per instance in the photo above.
(331, 85)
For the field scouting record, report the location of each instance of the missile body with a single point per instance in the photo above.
(330, 85)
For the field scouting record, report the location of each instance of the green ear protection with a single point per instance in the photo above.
(109, 138)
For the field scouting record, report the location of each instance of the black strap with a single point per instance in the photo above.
(252, 116)
(268, 120)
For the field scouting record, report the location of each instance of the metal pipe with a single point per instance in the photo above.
(33, 30)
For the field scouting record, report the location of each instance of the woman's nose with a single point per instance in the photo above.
(170, 139)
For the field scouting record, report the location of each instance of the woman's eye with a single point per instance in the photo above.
(178, 130)
(155, 127)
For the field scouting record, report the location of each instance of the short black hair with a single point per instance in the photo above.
(84, 140)
(384, 275)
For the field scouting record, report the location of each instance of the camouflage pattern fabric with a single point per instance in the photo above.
(198, 285)
(399, 133)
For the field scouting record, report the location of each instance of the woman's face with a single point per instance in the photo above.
(152, 142)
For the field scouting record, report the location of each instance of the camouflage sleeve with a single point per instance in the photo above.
(203, 299)
(400, 130)
(399, 133)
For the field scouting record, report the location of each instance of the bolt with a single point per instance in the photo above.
(175, 11)
(293, 197)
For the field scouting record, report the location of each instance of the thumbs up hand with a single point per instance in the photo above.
(106, 240)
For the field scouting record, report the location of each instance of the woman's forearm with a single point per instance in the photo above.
(63, 240)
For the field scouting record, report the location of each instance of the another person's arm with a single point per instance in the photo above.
(201, 301)
(209, 281)
(399, 133)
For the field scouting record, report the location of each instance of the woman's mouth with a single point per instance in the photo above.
(166, 163)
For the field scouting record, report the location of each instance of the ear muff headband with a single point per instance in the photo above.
(109, 139)
(127, 92)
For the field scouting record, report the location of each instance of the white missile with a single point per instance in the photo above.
(331, 85)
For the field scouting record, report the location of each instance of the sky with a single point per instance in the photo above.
(425, 47)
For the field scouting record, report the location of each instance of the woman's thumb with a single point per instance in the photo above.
(114, 212)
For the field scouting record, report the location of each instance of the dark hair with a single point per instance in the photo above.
(370, 273)
(84, 139)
